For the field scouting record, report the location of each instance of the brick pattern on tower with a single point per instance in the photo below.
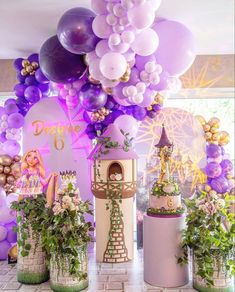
(116, 251)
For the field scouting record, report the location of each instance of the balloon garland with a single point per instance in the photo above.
(218, 167)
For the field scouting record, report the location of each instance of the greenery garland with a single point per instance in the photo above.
(31, 214)
(210, 235)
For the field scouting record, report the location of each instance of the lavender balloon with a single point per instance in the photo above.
(220, 184)
(20, 89)
(40, 77)
(92, 97)
(75, 31)
(139, 113)
(213, 150)
(213, 170)
(226, 165)
(176, 51)
(4, 247)
(15, 120)
(11, 108)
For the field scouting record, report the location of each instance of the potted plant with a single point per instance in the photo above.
(210, 236)
(65, 237)
(31, 262)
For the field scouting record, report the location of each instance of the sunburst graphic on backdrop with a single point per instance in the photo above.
(189, 146)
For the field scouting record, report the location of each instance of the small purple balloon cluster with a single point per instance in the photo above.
(32, 86)
(219, 169)
(8, 236)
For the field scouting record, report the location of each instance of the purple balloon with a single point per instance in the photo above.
(18, 64)
(2, 111)
(33, 58)
(139, 113)
(40, 77)
(140, 61)
(15, 120)
(176, 51)
(4, 247)
(213, 151)
(226, 165)
(86, 117)
(11, 235)
(135, 76)
(163, 84)
(21, 102)
(92, 97)
(213, 170)
(45, 88)
(75, 31)
(110, 102)
(9, 100)
(30, 80)
(98, 126)
(3, 137)
(157, 107)
(11, 108)
(32, 94)
(20, 89)
(11, 147)
(58, 64)
(20, 77)
(151, 114)
(220, 184)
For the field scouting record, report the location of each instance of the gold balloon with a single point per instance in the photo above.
(208, 135)
(224, 134)
(10, 179)
(32, 73)
(159, 99)
(13, 251)
(5, 160)
(16, 169)
(214, 122)
(17, 158)
(3, 179)
(29, 69)
(23, 72)
(206, 127)
(216, 136)
(201, 120)
(25, 63)
(7, 169)
(107, 90)
(1, 168)
(207, 188)
(34, 65)
(224, 141)
(214, 130)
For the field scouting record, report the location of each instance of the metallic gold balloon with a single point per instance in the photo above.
(7, 169)
(23, 72)
(25, 63)
(16, 169)
(5, 160)
(107, 90)
(3, 179)
(159, 99)
(224, 141)
(10, 179)
(207, 188)
(34, 65)
(208, 135)
(206, 127)
(13, 251)
(201, 120)
(216, 136)
(214, 122)
(17, 158)
(29, 68)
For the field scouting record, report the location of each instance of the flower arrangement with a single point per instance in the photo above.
(66, 230)
(165, 188)
(210, 235)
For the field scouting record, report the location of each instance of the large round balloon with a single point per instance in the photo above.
(4, 247)
(176, 51)
(92, 97)
(58, 64)
(75, 32)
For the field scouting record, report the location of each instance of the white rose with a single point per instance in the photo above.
(220, 204)
(169, 188)
(118, 176)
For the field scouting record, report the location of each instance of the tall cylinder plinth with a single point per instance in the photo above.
(114, 233)
(162, 238)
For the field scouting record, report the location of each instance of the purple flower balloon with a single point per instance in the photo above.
(30, 80)
(40, 77)
(20, 77)
(9, 100)
(226, 165)
(139, 113)
(18, 64)
(213, 150)
(92, 97)
(32, 94)
(58, 64)
(33, 58)
(220, 184)
(15, 120)
(213, 170)
(75, 31)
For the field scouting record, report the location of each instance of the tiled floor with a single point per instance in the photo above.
(126, 277)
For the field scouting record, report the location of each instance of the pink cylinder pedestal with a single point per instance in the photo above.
(162, 238)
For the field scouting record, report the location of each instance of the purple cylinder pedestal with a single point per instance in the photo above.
(162, 238)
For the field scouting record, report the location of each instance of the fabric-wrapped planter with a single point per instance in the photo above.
(32, 269)
(222, 281)
(60, 278)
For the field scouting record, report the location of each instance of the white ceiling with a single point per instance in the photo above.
(26, 24)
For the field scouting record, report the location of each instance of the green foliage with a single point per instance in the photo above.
(210, 235)
(31, 213)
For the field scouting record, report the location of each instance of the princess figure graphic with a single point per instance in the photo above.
(33, 180)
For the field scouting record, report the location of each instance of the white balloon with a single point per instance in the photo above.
(13, 197)
(146, 42)
(128, 124)
(155, 4)
(141, 16)
(100, 27)
(113, 65)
